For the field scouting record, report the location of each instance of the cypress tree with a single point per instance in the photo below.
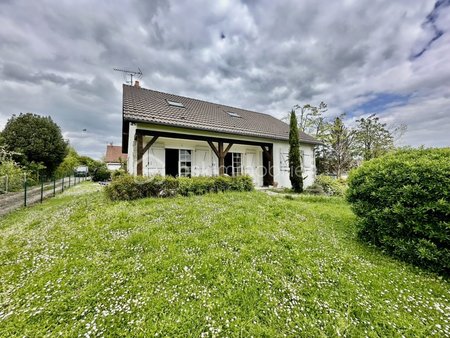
(295, 169)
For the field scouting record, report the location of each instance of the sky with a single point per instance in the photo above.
(358, 56)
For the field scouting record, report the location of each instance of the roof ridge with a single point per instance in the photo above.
(191, 98)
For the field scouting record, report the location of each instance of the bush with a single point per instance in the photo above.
(126, 187)
(331, 186)
(101, 173)
(116, 173)
(402, 201)
(315, 189)
(11, 176)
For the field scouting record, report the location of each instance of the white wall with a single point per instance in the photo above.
(132, 150)
(281, 164)
(113, 166)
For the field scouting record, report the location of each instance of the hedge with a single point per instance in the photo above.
(402, 201)
(330, 185)
(127, 187)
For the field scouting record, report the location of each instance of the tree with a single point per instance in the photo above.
(340, 150)
(373, 138)
(311, 119)
(295, 169)
(37, 138)
(70, 162)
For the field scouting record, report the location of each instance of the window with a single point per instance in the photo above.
(185, 162)
(175, 104)
(237, 164)
(233, 164)
(233, 114)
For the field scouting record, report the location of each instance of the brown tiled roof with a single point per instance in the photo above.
(145, 105)
(114, 153)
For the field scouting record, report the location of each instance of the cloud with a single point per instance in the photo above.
(57, 58)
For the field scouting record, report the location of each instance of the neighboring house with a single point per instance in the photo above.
(114, 157)
(174, 135)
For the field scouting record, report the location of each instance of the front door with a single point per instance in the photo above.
(172, 160)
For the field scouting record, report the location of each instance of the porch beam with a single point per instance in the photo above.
(199, 138)
(213, 147)
(227, 149)
(149, 144)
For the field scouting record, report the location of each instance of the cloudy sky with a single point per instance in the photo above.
(358, 56)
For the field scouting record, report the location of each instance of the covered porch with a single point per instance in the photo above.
(182, 154)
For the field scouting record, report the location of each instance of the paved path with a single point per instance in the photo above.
(14, 200)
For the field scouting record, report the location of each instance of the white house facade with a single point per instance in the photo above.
(172, 135)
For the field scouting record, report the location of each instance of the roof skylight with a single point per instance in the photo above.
(175, 104)
(233, 114)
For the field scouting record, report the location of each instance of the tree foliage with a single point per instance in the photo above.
(339, 152)
(373, 138)
(311, 119)
(70, 162)
(38, 139)
(295, 169)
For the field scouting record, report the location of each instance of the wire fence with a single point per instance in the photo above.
(15, 194)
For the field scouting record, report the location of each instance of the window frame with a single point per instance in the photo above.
(184, 162)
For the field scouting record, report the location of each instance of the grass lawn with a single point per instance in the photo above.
(234, 264)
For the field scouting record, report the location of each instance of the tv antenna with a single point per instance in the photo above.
(130, 73)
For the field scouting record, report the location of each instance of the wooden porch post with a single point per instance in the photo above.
(140, 154)
(220, 153)
(221, 160)
(141, 150)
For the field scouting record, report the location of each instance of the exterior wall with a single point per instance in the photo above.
(205, 162)
(132, 150)
(281, 164)
(113, 166)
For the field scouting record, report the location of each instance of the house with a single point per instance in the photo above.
(114, 157)
(174, 135)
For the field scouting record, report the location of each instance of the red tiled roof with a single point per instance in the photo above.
(114, 153)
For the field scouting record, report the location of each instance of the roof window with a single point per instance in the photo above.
(233, 114)
(175, 104)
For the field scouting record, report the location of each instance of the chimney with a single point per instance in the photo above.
(136, 84)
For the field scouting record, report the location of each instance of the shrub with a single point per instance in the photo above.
(126, 187)
(315, 189)
(101, 173)
(402, 201)
(117, 173)
(11, 176)
(331, 186)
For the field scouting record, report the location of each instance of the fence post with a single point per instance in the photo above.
(25, 193)
(62, 185)
(6, 183)
(42, 190)
(54, 186)
(69, 181)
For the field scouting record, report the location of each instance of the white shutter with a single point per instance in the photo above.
(284, 161)
(155, 161)
(202, 163)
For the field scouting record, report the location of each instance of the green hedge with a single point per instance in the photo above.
(126, 187)
(403, 204)
(330, 185)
